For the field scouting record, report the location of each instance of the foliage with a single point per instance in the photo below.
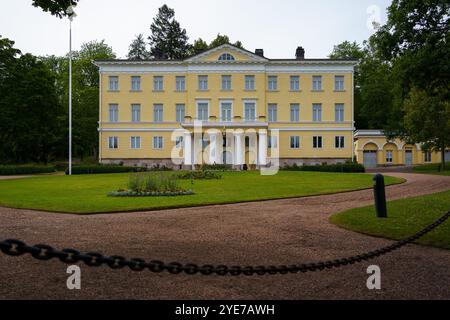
(168, 40)
(339, 167)
(153, 182)
(224, 39)
(138, 50)
(199, 175)
(95, 169)
(12, 170)
(55, 7)
(433, 168)
(216, 167)
(198, 47)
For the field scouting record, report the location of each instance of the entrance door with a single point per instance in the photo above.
(408, 157)
(370, 159)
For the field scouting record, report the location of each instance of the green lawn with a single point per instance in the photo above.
(405, 217)
(87, 193)
(433, 169)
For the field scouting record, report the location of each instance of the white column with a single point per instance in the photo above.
(238, 148)
(213, 147)
(262, 148)
(187, 149)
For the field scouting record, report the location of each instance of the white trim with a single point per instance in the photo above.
(372, 142)
(244, 101)
(197, 101)
(232, 109)
(253, 56)
(310, 129)
(139, 129)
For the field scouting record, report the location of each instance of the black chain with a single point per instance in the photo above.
(70, 256)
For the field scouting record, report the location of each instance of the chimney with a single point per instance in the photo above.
(300, 53)
(259, 52)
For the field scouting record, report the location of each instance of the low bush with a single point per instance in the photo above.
(11, 170)
(92, 169)
(144, 183)
(199, 175)
(339, 167)
(216, 167)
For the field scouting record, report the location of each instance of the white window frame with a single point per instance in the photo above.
(226, 57)
(230, 102)
(179, 142)
(133, 119)
(317, 118)
(317, 142)
(115, 114)
(115, 140)
(272, 142)
(113, 87)
(317, 84)
(180, 83)
(138, 83)
(243, 110)
(198, 102)
(226, 82)
(249, 81)
(158, 83)
(158, 142)
(136, 139)
(293, 144)
(294, 85)
(339, 142)
(272, 83)
(181, 120)
(427, 159)
(339, 83)
(202, 79)
(389, 158)
(339, 116)
(158, 107)
(291, 107)
(271, 107)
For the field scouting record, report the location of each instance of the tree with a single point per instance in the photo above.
(427, 120)
(347, 50)
(199, 46)
(168, 40)
(55, 7)
(137, 49)
(224, 39)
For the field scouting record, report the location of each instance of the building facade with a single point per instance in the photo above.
(226, 105)
(374, 149)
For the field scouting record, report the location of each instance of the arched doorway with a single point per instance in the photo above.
(370, 155)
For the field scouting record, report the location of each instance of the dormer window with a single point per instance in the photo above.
(226, 57)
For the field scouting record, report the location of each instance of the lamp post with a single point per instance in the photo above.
(71, 14)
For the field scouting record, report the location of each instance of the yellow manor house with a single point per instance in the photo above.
(226, 106)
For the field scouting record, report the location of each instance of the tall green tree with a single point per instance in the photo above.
(199, 46)
(168, 40)
(224, 39)
(55, 7)
(137, 49)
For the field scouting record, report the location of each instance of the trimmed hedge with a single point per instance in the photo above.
(340, 167)
(92, 169)
(12, 170)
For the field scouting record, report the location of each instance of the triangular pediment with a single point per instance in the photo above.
(225, 51)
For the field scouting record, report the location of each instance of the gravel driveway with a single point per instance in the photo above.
(270, 232)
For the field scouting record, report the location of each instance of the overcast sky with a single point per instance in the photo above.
(276, 26)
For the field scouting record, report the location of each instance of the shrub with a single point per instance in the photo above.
(152, 182)
(216, 167)
(157, 167)
(339, 167)
(199, 175)
(10, 170)
(92, 169)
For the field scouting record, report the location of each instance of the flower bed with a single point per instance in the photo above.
(130, 193)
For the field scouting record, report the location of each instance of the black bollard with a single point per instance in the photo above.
(379, 195)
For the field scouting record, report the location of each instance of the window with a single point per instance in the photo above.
(317, 112)
(249, 82)
(180, 111)
(135, 142)
(339, 112)
(113, 83)
(158, 83)
(295, 142)
(179, 142)
(202, 82)
(113, 113)
(339, 142)
(113, 142)
(273, 83)
(157, 142)
(295, 83)
(272, 111)
(202, 111)
(250, 111)
(317, 142)
(158, 113)
(295, 112)
(339, 83)
(135, 112)
(272, 142)
(388, 156)
(205, 143)
(317, 83)
(180, 83)
(226, 57)
(427, 156)
(225, 111)
(226, 82)
(136, 83)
